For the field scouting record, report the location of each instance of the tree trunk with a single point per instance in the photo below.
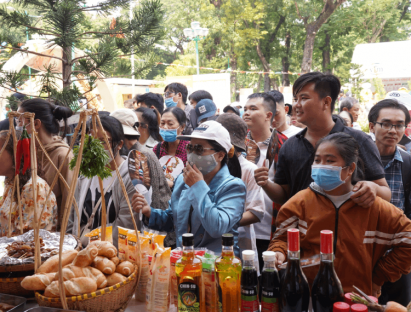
(233, 76)
(259, 83)
(326, 54)
(286, 61)
(66, 67)
(267, 82)
(308, 52)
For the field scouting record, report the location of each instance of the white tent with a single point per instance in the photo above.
(390, 61)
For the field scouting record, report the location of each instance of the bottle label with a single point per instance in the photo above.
(269, 303)
(188, 297)
(249, 300)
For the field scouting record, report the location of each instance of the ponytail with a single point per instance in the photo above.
(152, 117)
(48, 113)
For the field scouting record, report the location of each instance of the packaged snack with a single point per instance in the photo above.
(209, 282)
(142, 284)
(157, 297)
(132, 252)
(173, 277)
(122, 243)
(94, 235)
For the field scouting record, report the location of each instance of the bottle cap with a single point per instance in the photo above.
(269, 256)
(347, 298)
(359, 308)
(326, 242)
(228, 239)
(188, 239)
(248, 255)
(373, 299)
(293, 237)
(341, 307)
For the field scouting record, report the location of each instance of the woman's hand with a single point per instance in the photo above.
(376, 290)
(140, 205)
(192, 175)
(365, 193)
(279, 258)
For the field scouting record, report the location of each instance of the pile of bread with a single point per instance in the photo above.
(92, 268)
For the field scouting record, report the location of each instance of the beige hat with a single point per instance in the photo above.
(128, 119)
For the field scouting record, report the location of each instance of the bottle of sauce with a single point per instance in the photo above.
(295, 292)
(327, 288)
(189, 283)
(249, 294)
(228, 269)
(270, 284)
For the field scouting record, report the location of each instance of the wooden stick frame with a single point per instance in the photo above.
(82, 123)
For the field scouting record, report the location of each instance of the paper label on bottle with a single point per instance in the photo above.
(188, 297)
(249, 300)
(269, 303)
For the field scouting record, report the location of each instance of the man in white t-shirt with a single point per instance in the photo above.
(280, 118)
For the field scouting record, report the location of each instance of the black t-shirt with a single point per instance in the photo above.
(386, 159)
(297, 156)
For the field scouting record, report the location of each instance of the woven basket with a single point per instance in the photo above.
(111, 299)
(12, 286)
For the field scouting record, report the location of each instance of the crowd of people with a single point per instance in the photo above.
(254, 171)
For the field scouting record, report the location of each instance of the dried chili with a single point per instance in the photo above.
(19, 153)
(25, 139)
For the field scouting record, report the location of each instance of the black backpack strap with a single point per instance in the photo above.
(406, 180)
(158, 150)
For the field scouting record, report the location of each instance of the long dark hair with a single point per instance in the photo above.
(114, 127)
(233, 163)
(349, 150)
(48, 113)
(152, 117)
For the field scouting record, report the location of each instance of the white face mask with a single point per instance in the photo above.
(20, 128)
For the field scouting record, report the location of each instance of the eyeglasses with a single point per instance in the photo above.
(141, 124)
(198, 149)
(168, 94)
(388, 126)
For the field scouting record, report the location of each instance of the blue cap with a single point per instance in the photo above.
(204, 109)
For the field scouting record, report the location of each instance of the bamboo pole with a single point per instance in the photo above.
(11, 208)
(83, 119)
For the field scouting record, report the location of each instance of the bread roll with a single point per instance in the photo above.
(85, 257)
(115, 260)
(76, 286)
(52, 264)
(125, 268)
(115, 278)
(37, 281)
(105, 249)
(72, 271)
(104, 265)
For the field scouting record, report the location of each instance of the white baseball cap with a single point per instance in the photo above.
(128, 119)
(401, 96)
(210, 130)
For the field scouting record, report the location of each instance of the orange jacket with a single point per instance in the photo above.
(362, 237)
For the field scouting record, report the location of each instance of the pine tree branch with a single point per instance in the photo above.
(39, 54)
(101, 33)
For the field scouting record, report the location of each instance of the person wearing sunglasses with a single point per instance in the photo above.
(208, 198)
(148, 126)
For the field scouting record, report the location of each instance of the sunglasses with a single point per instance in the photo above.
(198, 149)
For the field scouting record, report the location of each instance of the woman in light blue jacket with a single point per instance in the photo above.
(208, 198)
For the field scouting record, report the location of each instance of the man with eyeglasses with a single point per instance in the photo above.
(388, 120)
(175, 94)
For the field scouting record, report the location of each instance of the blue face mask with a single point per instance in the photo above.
(327, 177)
(169, 135)
(170, 102)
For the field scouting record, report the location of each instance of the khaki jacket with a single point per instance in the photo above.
(371, 245)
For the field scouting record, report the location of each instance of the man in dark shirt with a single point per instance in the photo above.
(314, 96)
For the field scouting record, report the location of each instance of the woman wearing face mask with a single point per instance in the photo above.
(207, 200)
(362, 236)
(148, 121)
(46, 124)
(173, 122)
(9, 199)
(88, 194)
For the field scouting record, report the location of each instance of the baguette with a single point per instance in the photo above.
(72, 271)
(37, 281)
(52, 264)
(115, 260)
(125, 268)
(115, 278)
(105, 249)
(85, 257)
(104, 265)
(76, 286)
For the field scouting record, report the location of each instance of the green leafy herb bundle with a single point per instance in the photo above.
(94, 160)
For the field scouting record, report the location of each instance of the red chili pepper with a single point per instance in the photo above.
(25, 143)
(19, 153)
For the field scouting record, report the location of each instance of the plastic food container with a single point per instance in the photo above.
(18, 302)
(45, 309)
